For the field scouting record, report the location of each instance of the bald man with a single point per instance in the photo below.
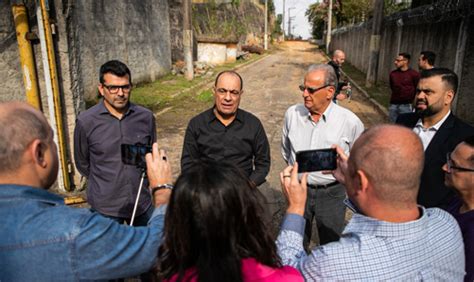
(389, 236)
(338, 58)
(226, 133)
(41, 239)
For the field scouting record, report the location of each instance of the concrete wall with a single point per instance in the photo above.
(176, 30)
(441, 37)
(212, 53)
(465, 102)
(135, 32)
(90, 33)
(11, 84)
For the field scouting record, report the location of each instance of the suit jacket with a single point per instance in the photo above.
(433, 192)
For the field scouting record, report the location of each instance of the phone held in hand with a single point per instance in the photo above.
(316, 160)
(135, 154)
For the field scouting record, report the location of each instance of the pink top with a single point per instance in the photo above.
(255, 271)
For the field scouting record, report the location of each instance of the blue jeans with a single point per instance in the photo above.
(326, 205)
(395, 110)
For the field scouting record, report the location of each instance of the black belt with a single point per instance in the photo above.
(323, 186)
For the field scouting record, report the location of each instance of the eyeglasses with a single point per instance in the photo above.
(114, 89)
(312, 90)
(223, 91)
(451, 166)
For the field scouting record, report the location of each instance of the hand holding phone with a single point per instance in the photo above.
(135, 154)
(316, 160)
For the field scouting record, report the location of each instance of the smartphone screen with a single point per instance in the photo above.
(135, 154)
(316, 160)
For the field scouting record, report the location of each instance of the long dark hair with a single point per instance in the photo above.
(214, 219)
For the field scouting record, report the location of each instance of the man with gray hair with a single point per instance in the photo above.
(318, 124)
(389, 237)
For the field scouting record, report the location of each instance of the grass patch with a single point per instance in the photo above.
(380, 92)
(158, 94)
(205, 96)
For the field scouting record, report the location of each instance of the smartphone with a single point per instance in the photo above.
(135, 154)
(340, 85)
(316, 160)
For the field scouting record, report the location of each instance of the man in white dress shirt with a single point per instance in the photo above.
(319, 124)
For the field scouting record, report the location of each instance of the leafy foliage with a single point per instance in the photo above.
(230, 19)
(346, 12)
(277, 29)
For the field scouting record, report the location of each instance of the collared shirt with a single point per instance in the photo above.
(337, 125)
(426, 134)
(112, 186)
(242, 143)
(41, 239)
(429, 249)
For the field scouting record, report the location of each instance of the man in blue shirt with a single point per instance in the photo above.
(41, 239)
(389, 236)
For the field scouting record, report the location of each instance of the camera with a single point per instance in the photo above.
(135, 154)
(316, 160)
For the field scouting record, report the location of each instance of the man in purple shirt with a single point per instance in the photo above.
(403, 82)
(459, 174)
(100, 131)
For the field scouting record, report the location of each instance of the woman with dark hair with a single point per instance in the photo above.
(215, 230)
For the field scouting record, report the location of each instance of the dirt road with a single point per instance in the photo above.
(271, 86)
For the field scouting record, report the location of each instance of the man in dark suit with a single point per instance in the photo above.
(439, 130)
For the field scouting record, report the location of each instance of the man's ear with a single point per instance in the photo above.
(37, 150)
(363, 181)
(100, 87)
(449, 97)
(331, 91)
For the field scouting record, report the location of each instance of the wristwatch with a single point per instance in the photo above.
(161, 186)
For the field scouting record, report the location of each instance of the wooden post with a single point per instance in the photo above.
(371, 78)
(188, 40)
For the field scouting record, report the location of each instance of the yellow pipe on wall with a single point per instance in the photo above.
(26, 56)
(56, 97)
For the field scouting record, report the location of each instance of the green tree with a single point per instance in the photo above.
(277, 27)
(317, 14)
(346, 12)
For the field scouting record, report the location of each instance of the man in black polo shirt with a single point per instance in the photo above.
(227, 133)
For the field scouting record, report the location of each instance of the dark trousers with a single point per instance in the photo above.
(140, 220)
(327, 207)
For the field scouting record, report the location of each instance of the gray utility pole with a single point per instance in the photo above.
(283, 20)
(328, 35)
(289, 20)
(375, 43)
(188, 40)
(265, 38)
